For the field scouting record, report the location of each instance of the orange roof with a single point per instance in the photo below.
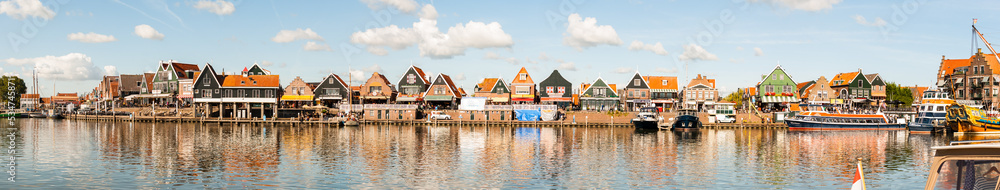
(487, 84)
(422, 75)
(992, 61)
(149, 80)
(703, 80)
(948, 65)
(527, 78)
(356, 88)
(462, 91)
(845, 77)
(30, 95)
(613, 87)
(802, 84)
(655, 82)
(251, 81)
(750, 90)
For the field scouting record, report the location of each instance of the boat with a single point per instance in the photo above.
(647, 118)
(822, 120)
(52, 114)
(9, 114)
(931, 115)
(36, 115)
(687, 120)
(965, 165)
(968, 119)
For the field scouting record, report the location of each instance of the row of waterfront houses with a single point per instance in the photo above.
(256, 92)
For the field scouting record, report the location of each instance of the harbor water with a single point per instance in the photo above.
(84, 155)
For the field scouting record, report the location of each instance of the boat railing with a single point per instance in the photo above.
(974, 141)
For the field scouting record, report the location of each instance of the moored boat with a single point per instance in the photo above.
(822, 121)
(687, 120)
(9, 114)
(931, 115)
(647, 118)
(965, 165)
(967, 119)
(52, 114)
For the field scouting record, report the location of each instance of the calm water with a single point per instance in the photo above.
(77, 154)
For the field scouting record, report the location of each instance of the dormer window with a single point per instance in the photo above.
(243, 82)
(635, 82)
(523, 76)
(254, 82)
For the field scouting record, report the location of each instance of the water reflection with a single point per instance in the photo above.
(73, 154)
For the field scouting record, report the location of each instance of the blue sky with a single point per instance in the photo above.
(471, 40)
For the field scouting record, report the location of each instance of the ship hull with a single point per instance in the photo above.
(824, 126)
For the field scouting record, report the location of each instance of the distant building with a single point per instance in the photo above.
(494, 89)
(599, 96)
(556, 90)
(636, 93)
(443, 93)
(298, 93)
(816, 91)
(663, 91)
(236, 96)
(700, 93)
(411, 86)
(973, 81)
(332, 91)
(30, 101)
(777, 89)
(852, 88)
(378, 90)
(523, 88)
(878, 88)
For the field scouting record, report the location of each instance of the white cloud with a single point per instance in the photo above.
(569, 66)
(110, 70)
(407, 6)
(757, 51)
(431, 41)
(266, 63)
(146, 31)
(583, 33)
(285, 36)
(693, 52)
(666, 70)
(877, 22)
(733, 60)
(623, 70)
(71, 67)
(313, 46)
(655, 48)
(91, 37)
(495, 56)
(218, 7)
(459, 77)
(805, 5)
(377, 50)
(428, 12)
(21, 9)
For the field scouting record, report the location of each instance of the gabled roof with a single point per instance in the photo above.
(131, 82)
(447, 81)
(527, 78)
(462, 91)
(804, 87)
(655, 82)
(776, 68)
(586, 87)
(420, 74)
(871, 77)
(335, 77)
(248, 81)
(846, 77)
(180, 69)
(701, 80)
(148, 78)
(630, 83)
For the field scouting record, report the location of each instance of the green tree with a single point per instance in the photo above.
(895, 92)
(735, 97)
(12, 83)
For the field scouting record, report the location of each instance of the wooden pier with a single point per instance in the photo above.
(338, 121)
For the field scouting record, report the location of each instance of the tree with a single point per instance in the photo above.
(898, 93)
(735, 97)
(12, 83)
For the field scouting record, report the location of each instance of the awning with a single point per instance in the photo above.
(940, 83)
(499, 99)
(408, 99)
(663, 90)
(779, 99)
(958, 80)
(663, 101)
(153, 96)
(129, 97)
(182, 96)
(375, 97)
(297, 98)
(439, 98)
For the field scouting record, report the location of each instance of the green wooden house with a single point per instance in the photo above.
(599, 96)
(852, 85)
(777, 87)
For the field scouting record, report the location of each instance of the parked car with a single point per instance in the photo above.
(437, 115)
(721, 118)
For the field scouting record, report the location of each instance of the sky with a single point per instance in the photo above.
(73, 43)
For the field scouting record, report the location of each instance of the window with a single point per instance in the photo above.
(329, 81)
(523, 76)
(562, 89)
(254, 82)
(664, 82)
(768, 88)
(243, 82)
(375, 90)
(216, 91)
(522, 90)
(332, 91)
(635, 82)
(781, 77)
(240, 93)
(643, 94)
(206, 81)
(439, 90)
(600, 92)
(787, 89)
(548, 90)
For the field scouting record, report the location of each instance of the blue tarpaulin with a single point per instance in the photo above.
(528, 115)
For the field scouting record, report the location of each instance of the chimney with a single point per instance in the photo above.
(980, 50)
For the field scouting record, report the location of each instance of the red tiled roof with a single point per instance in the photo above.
(655, 82)
(948, 66)
(845, 77)
(517, 77)
(487, 84)
(30, 96)
(703, 80)
(249, 81)
(422, 75)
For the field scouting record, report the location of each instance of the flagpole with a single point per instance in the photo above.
(861, 171)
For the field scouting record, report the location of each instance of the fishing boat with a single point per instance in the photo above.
(647, 118)
(36, 115)
(967, 119)
(931, 114)
(52, 114)
(822, 121)
(9, 114)
(687, 120)
(965, 165)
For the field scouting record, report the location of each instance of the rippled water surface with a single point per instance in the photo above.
(78, 154)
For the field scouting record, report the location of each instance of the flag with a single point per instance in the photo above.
(974, 21)
(859, 178)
